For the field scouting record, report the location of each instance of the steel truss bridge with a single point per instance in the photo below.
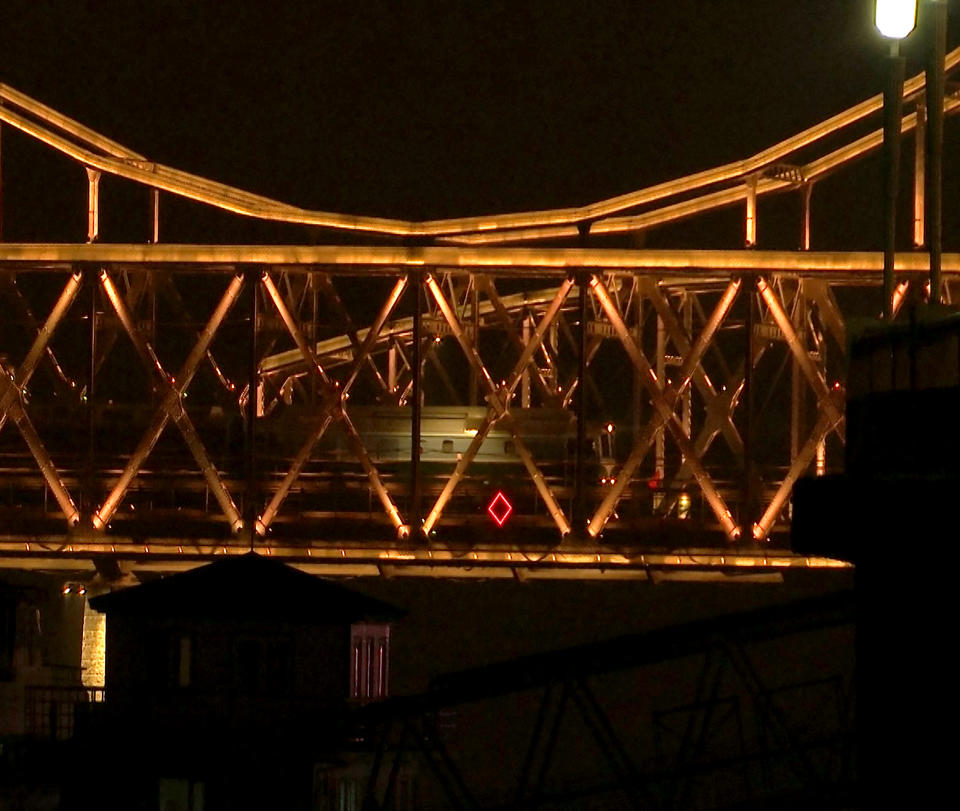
(357, 407)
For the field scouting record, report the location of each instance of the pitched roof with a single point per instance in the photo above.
(248, 586)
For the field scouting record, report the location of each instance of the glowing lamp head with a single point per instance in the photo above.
(895, 19)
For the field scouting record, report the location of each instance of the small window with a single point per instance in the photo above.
(508, 448)
(447, 446)
(369, 661)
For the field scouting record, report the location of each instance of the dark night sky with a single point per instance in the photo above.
(420, 109)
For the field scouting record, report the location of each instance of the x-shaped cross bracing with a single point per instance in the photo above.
(63, 385)
(11, 394)
(171, 406)
(831, 414)
(498, 399)
(699, 378)
(665, 400)
(332, 405)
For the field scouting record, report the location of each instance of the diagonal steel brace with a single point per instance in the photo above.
(825, 399)
(61, 382)
(171, 405)
(488, 287)
(333, 398)
(681, 340)
(498, 409)
(40, 344)
(331, 406)
(11, 396)
(824, 425)
(666, 409)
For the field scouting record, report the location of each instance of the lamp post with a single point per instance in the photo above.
(894, 19)
(933, 207)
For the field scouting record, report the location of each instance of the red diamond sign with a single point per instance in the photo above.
(500, 509)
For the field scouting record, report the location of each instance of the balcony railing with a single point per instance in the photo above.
(51, 712)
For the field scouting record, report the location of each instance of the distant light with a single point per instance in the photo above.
(896, 18)
(609, 427)
(683, 506)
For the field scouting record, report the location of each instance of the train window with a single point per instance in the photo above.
(508, 448)
(448, 446)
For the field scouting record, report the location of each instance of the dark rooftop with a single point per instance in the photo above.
(249, 586)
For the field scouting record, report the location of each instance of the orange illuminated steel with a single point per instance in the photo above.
(681, 289)
(666, 414)
(500, 508)
(333, 410)
(12, 386)
(171, 406)
(498, 399)
(101, 154)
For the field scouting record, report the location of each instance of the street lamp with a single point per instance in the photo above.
(894, 19)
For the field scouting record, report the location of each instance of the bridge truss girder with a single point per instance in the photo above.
(364, 404)
(648, 348)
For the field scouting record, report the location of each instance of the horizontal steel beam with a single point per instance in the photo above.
(62, 133)
(171, 555)
(500, 260)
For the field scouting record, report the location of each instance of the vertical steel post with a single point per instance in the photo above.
(579, 502)
(416, 495)
(155, 215)
(1, 182)
(472, 397)
(750, 237)
(314, 319)
(659, 452)
(525, 379)
(919, 176)
(821, 455)
(552, 350)
(797, 389)
(250, 512)
(93, 205)
(392, 369)
(934, 175)
(637, 384)
(746, 506)
(687, 407)
(892, 115)
(91, 278)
